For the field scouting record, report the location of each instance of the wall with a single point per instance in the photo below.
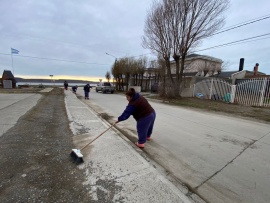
(137, 88)
(198, 64)
(238, 75)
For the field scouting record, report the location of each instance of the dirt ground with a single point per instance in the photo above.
(35, 157)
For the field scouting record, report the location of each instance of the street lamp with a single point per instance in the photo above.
(112, 56)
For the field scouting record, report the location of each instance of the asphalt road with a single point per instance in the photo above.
(220, 158)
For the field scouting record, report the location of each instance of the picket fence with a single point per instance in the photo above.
(250, 92)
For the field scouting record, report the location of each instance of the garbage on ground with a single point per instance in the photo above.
(199, 95)
(227, 97)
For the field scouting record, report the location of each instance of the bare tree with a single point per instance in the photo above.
(175, 27)
(157, 35)
(108, 76)
(225, 65)
(162, 74)
(128, 67)
(142, 65)
(154, 65)
(117, 73)
(200, 19)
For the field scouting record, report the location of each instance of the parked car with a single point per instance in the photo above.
(105, 87)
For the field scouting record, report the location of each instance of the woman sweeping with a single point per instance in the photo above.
(142, 112)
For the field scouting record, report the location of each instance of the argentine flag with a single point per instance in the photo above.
(14, 51)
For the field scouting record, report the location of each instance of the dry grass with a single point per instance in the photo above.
(257, 113)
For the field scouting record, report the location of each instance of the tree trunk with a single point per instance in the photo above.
(183, 58)
(127, 81)
(141, 80)
(168, 66)
(178, 76)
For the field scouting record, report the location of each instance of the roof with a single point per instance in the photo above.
(192, 56)
(226, 74)
(8, 74)
(198, 56)
(259, 73)
(190, 73)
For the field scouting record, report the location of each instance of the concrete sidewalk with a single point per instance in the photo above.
(13, 106)
(115, 169)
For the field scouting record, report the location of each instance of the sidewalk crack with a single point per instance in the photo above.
(217, 172)
(248, 146)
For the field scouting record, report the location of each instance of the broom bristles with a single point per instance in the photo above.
(76, 157)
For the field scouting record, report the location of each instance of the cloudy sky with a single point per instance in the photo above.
(70, 39)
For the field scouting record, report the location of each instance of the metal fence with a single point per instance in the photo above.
(214, 88)
(252, 92)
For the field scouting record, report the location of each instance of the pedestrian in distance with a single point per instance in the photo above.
(86, 89)
(142, 112)
(66, 85)
(74, 89)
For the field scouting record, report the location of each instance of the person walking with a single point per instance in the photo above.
(74, 89)
(86, 89)
(142, 112)
(66, 85)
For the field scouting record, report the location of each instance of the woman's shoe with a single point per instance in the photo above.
(149, 138)
(139, 145)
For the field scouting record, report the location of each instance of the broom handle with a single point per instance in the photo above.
(98, 136)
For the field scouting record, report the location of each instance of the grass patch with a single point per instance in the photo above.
(259, 113)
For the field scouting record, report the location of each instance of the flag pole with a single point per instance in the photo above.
(12, 63)
(13, 51)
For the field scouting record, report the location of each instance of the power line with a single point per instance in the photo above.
(240, 25)
(235, 42)
(254, 19)
(213, 47)
(228, 44)
(232, 43)
(226, 30)
(61, 60)
(231, 27)
(250, 41)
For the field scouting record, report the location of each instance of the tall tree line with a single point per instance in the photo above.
(128, 67)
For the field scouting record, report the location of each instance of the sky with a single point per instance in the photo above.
(69, 39)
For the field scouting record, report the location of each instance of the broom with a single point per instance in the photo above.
(76, 153)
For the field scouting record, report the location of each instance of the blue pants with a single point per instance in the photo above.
(145, 127)
(86, 94)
